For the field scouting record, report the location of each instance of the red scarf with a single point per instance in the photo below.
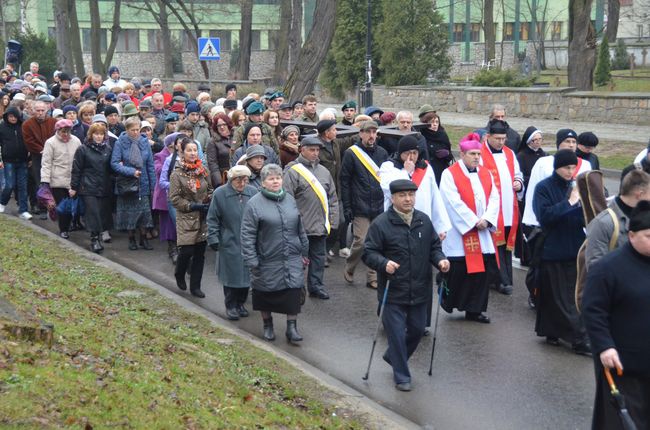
(490, 164)
(471, 240)
(195, 171)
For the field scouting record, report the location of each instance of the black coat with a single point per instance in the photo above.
(11, 139)
(527, 159)
(562, 222)
(361, 193)
(615, 308)
(439, 149)
(415, 248)
(591, 157)
(91, 171)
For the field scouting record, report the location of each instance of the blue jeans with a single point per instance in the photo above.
(15, 178)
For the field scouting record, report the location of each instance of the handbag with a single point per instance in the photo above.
(127, 185)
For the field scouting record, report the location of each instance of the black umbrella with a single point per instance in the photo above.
(619, 401)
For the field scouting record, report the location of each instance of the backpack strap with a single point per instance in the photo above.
(614, 240)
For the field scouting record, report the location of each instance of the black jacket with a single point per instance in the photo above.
(361, 193)
(439, 149)
(11, 139)
(91, 171)
(415, 248)
(527, 159)
(591, 157)
(390, 144)
(615, 308)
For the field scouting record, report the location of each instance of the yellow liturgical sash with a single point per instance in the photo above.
(318, 189)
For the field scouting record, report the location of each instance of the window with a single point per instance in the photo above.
(475, 33)
(508, 31)
(524, 33)
(459, 33)
(256, 40)
(224, 38)
(128, 41)
(187, 41)
(154, 41)
(556, 30)
(85, 39)
(274, 39)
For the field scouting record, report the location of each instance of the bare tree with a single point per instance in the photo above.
(613, 13)
(295, 33)
(100, 66)
(242, 69)
(75, 42)
(582, 45)
(488, 30)
(313, 53)
(63, 43)
(280, 71)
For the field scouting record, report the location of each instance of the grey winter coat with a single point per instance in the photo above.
(601, 230)
(273, 243)
(224, 229)
(202, 134)
(311, 209)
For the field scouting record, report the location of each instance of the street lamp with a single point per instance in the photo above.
(366, 94)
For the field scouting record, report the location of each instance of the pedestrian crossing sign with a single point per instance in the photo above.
(209, 48)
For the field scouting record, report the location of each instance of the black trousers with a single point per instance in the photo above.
(196, 253)
(505, 261)
(64, 220)
(317, 255)
(234, 297)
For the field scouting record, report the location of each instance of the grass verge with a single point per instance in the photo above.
(135, 360)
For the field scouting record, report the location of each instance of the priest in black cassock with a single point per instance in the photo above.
(615, 305)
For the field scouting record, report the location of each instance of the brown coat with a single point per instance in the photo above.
(35, 133)
(191, 227)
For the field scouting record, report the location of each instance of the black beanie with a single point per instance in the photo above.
(564, 157)
(110, 109)
(640, 217)
(563, 134)
(588, 139)
(497, 126)
(407, 143)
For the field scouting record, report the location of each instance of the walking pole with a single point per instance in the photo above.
(443, 286)
(374, 341)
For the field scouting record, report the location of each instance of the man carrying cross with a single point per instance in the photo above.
(472, 202)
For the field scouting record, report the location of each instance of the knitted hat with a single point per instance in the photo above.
(112, 70)
(177, 108)
(100, 117)
(407, 143)
(564, 157)
(371, 110)
(230, 104)
(192, 107)
(387, 117)
(288, 129)
(170, 139)
(563, 134)
(69, 108)
(110, 110)
(254, 151)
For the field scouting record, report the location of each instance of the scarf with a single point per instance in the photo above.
(96, 146)
(279, 196)
(195, 171)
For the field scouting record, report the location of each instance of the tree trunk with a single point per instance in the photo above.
(282, 45)
(488, 30)
(312, 55)
(115, 32)
(242, 71)
(196, 30)
(75, 40)
(63, 47)
(582, 46)
(165, 39)
(295, 33)
(613, 13)
(95, 36)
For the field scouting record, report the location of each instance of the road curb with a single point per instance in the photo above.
(373, 414)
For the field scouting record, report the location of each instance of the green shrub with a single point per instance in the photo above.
(602, 73)
(621, 57)
(501, 78)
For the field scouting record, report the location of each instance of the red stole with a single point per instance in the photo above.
(471, 241)
(418, 175)
(575, 174)
(490, 164)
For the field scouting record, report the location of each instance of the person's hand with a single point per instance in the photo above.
(444, 265)
(214, 246)
(391, 267)
(482, 224)
(137, 173)
(196, 207)
(516, 185)
(2, 166)
(610, 359)
(305, 262)
(442, 236)
(348, 217)
(72, 193)
(409, 166)
(574, 197)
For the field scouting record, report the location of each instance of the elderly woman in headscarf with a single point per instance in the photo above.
(224, 235)
(56, 167)
(274, 248)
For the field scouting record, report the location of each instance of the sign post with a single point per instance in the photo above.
(209, 50)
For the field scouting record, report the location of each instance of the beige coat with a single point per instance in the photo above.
(191, 227)
(56, 167)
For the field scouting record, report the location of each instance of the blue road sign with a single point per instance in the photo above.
(209, 48)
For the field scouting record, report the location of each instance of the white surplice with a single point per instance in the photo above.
(427, 197)
(542, 169)
(463, 219)
(507, 193)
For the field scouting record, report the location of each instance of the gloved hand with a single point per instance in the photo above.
(214, 246)
(199, 207)
(348, 217)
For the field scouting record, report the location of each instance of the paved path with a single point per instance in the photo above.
(497, 376)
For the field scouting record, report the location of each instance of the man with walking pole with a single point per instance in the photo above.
(401, 245)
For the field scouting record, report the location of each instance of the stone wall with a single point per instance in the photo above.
(546, 103)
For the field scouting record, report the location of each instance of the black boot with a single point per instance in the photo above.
(268, 330)
(144, 243)
(292, 332)
(95, 246)
(133, 246)
(180, 281)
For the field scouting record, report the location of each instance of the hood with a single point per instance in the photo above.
(14, 111)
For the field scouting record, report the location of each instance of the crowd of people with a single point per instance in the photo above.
(270, 186)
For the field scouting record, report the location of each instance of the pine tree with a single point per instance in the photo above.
(602, 73)
(414, 43)
(621, 57)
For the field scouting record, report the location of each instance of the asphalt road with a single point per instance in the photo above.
(496, 376)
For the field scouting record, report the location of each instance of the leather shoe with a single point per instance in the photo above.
(349, 277)
(132, 245)
(180, 282)
(372, 285)
(242, 311)
(197, 293)
(144, 244)
(552, 340)
(531, 302)
(582, 348)
(321, 294)
(505, 289)
(477, 318)
(404, 386)
(232, 314)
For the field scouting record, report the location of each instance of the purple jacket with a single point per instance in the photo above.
(159, 194)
